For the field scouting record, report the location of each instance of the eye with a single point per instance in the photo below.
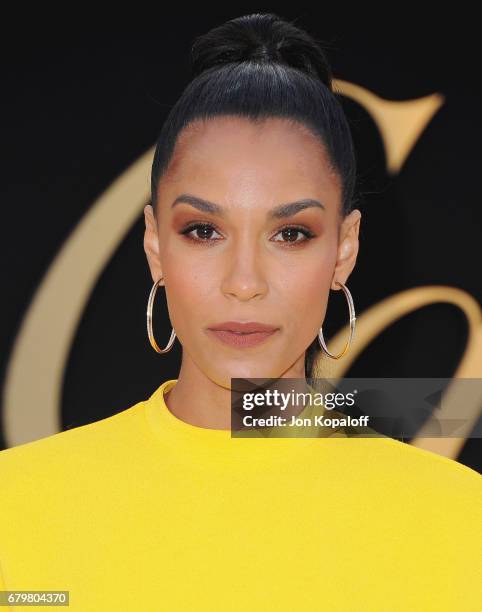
(205, 229)
(290, 234)
(205, 234)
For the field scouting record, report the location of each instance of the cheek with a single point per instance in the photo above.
(305, 284)
(192, 281)
(306, 290)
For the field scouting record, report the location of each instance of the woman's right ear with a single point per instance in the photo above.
(151, 243)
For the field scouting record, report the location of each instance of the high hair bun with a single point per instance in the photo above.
(264, 38)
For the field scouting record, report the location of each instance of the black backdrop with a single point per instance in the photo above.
(81, 104)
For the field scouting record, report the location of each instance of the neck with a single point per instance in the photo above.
(203, 402)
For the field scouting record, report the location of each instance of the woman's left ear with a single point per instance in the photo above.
(347, 248)
(151, 243)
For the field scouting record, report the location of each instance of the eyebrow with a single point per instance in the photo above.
(278, 212)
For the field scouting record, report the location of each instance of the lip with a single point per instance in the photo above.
(247, 327)
(241, 340)
(239, 334)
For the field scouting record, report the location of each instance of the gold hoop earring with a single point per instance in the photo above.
(150, 333)
(352, 325)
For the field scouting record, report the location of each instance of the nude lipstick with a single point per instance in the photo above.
(242, 334)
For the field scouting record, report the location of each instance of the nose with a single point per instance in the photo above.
(245, 276)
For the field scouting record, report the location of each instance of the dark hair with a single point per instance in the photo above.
(260, 66)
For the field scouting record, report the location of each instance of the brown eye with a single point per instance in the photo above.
(290, 235)
(204, 232)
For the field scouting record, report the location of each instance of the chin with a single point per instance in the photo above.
(246, 371)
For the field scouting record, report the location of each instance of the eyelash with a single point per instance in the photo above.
(307, 233)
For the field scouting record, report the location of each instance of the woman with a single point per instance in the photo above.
(158, 507)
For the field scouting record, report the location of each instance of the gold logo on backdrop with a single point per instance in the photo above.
(42, 346)
(400, 123)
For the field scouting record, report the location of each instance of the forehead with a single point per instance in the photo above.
(233, 154)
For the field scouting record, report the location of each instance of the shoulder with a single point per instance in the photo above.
(414, 476)
(432, 500)
(67, 450)
(429, 461)
(404, 458)
(438, 484)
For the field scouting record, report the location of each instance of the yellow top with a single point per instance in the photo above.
(142, 511)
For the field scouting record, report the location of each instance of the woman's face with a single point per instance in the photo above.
(242, 262)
